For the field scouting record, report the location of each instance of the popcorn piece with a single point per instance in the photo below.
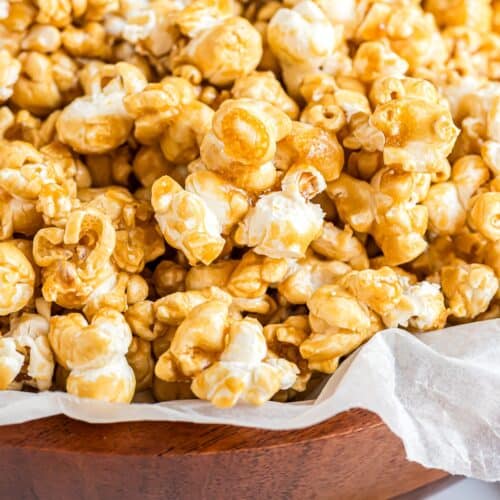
(226, 51)
(17, 278)
(284, 339)
(76, 261)
(95, 355)
(308, 146)
(141, 361)
(397, 300)
(375, 59)
(254, 273)
(99, 122)
(229, 203)
(186, 221)
(355, 201)
(309, 274)
(10, 69)
(42, 38)
(468, 288)
(138, 239)
(88, 41)
(197, 343)
(242, 143)
(169, 277)
(174, 308)
(203, 14)
(447, 202)
(154, 106)
(411, 33)
(339, 325)
(338, 244)
(484, 215)
(29, 332)
(284, 223)
(263, 86)
(242, 373)
(216, 274)
(301, 38)
(475, 14)
(11, 362)
(37, 89)
(419, 133)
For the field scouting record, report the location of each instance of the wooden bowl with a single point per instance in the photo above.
(351, 456)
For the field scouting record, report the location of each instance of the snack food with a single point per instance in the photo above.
(222, 199)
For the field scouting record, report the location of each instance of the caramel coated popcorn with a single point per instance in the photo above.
(223, 199)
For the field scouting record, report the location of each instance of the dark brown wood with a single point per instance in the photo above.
(351, 456)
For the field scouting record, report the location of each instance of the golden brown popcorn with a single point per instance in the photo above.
(197, 343)
(355, 200)
(18, 15)
(138, 238)
(307, 275)
(181, 141)
(110, 168)
(10, 69)
(447, 202)
(468, 288)
(42, 38)
(142, 321)
(88, 41)
(398, 301)
(150, 164)
(59, 13)
(419, 133)
(76, 260)
(99, 122)
(95, 355)
(175, 307)
(341, 244)
(284, 339)
(132, 20)
(282, 224)
(28, 334)
(154, 107)
(229, 203)
(308, 146)
(473, 13)
(186, 221)
(17, 277)
(411, 32)
(439, 252)
(224, 51)
(253, 274)
(242, 142)
(484, 215)
(242, 372)
(263, 86)
(140, 359)
(216, 274)
(169, 277)
(11, 362)
(301, 38)
(200, 15)
(339, 324)
(168, 391)
(37, 89)
(376, 59)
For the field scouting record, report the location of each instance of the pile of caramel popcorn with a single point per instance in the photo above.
(222, 199)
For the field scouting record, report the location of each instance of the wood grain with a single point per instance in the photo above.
(351, 456)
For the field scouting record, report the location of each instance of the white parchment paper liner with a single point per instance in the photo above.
(439, 392)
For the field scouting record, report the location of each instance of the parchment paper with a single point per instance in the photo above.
(439, 392)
